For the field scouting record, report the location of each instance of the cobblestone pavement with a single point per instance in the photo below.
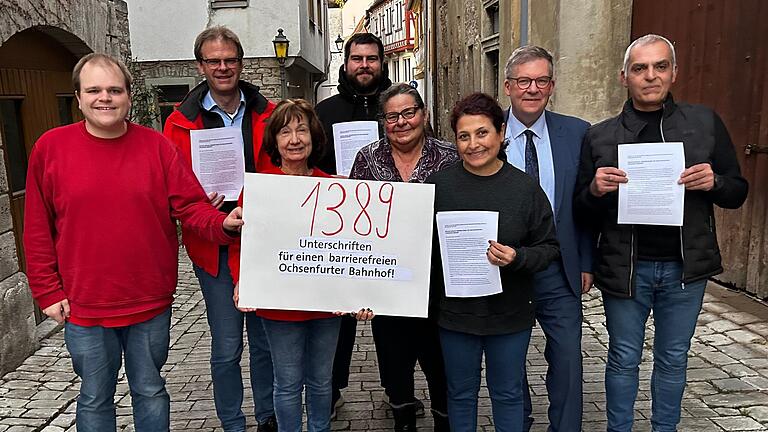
(727, 375)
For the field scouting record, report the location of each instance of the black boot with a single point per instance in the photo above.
(441, 421)
(270, 425)
(405, 418)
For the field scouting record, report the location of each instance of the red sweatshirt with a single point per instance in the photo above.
(99, 225)
(234, 268)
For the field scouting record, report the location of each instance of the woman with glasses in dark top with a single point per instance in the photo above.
(406, 154)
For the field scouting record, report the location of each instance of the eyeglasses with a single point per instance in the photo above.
(408, 113)
(524, 82)
(228, 62)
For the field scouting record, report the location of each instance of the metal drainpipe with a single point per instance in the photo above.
(523, 22)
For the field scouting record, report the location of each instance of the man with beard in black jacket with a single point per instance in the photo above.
(361, 79)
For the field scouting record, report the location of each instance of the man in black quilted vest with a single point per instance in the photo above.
(644, 268)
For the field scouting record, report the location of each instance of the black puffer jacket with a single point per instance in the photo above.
(705, 140)
(344, 107)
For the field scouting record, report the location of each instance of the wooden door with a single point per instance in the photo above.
(35, 95)
(722, 56)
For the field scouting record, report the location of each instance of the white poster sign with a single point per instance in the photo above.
(328, 244)
(218, 161)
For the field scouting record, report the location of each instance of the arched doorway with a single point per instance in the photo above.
(35, 95)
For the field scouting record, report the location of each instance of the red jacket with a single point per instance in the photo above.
(190, 115)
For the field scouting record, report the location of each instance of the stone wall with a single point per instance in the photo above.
(17, 319)
(81, 26)
(464, 39)
(263, 72)
(587, 40)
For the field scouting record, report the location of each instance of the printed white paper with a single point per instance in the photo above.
(651, 195)
(217, 160)
(348, 139)
(464, 239)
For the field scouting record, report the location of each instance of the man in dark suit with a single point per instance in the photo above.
(547, 146)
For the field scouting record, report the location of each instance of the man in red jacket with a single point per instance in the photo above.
(223, 100)
(100, 239)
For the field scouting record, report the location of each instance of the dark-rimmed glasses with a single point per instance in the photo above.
(408, 113)
(524, 82)
(213, 63)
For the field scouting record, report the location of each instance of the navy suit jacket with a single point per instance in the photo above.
(576, 244)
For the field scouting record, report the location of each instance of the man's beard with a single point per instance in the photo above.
(369, 88)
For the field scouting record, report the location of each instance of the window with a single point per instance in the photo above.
(13, 139)
(311, 11)
(166, 93)
(492, 73)
(493, 18)
(397, 16)
(167, 97)
(319, 10)
(407, 75)
(396, 71)
(221, 4)
(65, 109)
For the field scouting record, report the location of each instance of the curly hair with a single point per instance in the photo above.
(286, 111)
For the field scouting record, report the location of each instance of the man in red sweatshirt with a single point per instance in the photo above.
(100, 238)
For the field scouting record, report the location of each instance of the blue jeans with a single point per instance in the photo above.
(675, 310)
(302, 352)
(96, 357)
(504, 358)
(226, 323)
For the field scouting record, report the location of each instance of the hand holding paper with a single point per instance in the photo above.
(499, 254)
(698, 177)
(607, 179)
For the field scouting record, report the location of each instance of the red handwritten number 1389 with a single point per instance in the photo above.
(363, 225)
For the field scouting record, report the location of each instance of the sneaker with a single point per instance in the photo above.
(268, 426)
(419, 406)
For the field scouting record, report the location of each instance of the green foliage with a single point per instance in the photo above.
(144, 110)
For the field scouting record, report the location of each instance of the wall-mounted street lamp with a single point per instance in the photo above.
(339, 42)
(281, 43)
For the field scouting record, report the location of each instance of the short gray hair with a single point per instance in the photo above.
(648, 40)
(399, 89)
(525, 54)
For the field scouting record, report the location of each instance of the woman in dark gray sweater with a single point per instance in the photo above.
(497, 325)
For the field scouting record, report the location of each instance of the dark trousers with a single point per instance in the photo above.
(558, 312)
(400, 343)
(343, 357)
